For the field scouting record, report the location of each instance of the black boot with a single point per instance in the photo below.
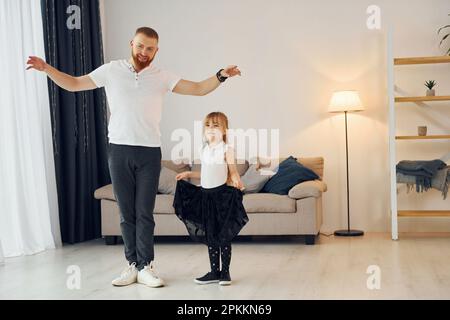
(214, 260)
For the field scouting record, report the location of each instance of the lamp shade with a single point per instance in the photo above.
(342, 101)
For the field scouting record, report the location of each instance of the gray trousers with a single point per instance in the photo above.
(134, 174)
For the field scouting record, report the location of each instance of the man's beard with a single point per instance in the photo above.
(141, 65)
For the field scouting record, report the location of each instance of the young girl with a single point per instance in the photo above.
(213, 212)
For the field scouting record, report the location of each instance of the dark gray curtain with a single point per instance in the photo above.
(73, 43)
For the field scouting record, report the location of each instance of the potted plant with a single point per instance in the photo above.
(430, 84)
(444, 37)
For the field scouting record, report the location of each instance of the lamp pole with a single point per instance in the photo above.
(348, 232)
(348, 184)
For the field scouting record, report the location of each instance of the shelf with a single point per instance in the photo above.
(421, 60)
(423, 213)
(393, 138)
(436, 137)
(421, 99)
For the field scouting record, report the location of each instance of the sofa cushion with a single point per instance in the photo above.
(163, 204)
(289, 174)
(105, 192)
(177, 166)
(165, 186)
(167, 181)
(313, 188)
(255, 202)
(268, 202)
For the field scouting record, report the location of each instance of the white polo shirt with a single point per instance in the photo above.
(135, 101)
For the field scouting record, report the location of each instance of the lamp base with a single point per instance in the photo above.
(348, 233)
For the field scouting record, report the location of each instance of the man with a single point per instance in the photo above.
(135, 89)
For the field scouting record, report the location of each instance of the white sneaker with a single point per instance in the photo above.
(148, 277)
(127, 277)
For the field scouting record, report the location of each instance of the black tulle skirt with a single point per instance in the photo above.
(212, 216)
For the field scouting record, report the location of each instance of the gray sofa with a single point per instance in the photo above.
(298, 213)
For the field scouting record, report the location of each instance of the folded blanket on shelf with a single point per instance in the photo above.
(440, 181)
(423, 171)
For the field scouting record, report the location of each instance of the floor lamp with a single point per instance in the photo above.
(346, 101)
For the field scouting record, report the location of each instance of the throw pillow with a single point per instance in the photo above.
(254, 180)
(290, 173)
(167, 182)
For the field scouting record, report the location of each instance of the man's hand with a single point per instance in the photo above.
(230, 71)
(206, 86)
(36, 63)
(63, 80)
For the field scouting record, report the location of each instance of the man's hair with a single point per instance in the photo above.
(149, 32)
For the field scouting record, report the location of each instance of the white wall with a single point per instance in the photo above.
(293, 54)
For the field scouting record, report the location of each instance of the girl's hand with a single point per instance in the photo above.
(36, 63)
(236, 182)
(183, 175)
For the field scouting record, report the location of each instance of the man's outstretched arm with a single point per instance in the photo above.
(62, 79)
(206, 86)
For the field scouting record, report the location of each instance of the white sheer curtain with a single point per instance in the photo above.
(29, 220)
(2, 258)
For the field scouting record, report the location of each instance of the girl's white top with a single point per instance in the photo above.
(214, 168)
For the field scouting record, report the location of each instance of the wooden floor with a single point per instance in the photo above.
(415, 267)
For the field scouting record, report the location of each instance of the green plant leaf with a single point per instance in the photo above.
(430, 84)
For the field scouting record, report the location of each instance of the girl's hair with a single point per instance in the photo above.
(219, 118)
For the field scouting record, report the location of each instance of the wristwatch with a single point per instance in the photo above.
(220, 77)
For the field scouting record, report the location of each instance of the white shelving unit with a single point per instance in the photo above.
(392, 63)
